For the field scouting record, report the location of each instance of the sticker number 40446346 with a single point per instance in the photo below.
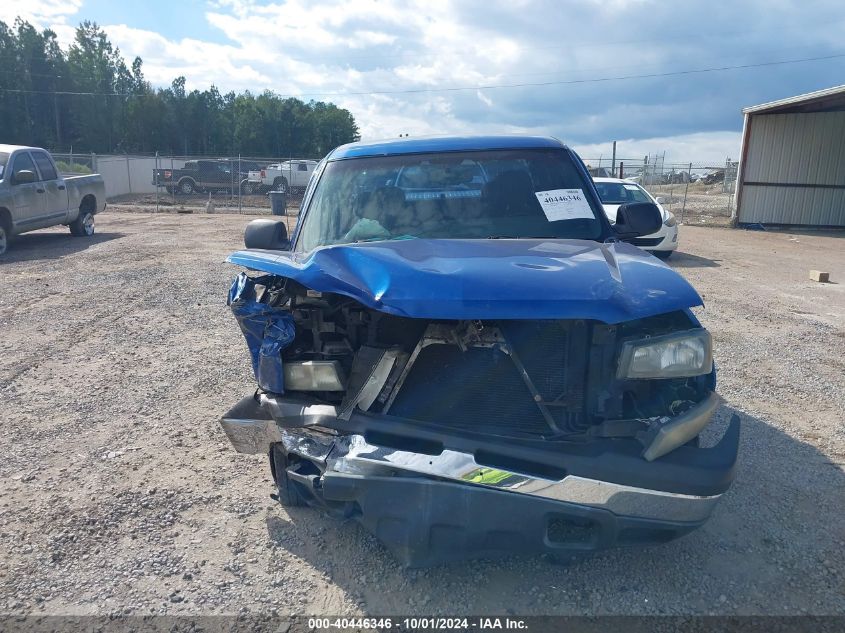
(564, 204)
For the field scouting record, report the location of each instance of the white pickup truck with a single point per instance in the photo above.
(291, 174)
(34, 195)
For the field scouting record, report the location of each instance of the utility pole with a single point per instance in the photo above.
(58, 124)
(613, 160)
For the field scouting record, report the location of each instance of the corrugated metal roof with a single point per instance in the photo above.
(798, 99)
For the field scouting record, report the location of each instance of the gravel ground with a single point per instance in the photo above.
(122, 495)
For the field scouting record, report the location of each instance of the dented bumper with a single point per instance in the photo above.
(431, 496)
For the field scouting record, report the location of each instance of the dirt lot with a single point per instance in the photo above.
(120, 493)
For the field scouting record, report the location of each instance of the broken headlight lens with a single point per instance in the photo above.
(676, 355)
(314, 375)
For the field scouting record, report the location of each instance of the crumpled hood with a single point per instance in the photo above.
(487, 279)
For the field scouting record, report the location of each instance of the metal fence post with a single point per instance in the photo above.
(684, 208)
(155, 180)
(128, 174)
(671, 187)
(240, 193)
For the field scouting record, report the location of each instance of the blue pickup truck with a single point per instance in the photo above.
(455, 348)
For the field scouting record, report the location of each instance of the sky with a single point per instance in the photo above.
(573, 69)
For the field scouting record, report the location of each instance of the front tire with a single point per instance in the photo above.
(247, 188)
(289, 494)
(280, 183)
(4, 239)
(83, 226)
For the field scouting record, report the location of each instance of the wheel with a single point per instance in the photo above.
(186, 186)
(664, 255)
(247, 188)
(289, 494)
(280, 183)
(83, 226)
(4, 239)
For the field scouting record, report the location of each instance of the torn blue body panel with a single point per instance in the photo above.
(487, 279)
(267, 331)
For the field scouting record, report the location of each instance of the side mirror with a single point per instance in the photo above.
(660, 199)
(635, 219)
(267, 235)
(24, 176)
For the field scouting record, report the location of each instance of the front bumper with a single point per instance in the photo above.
(665, 239)
(432, 498)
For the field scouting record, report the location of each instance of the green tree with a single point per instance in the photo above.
(87, 97)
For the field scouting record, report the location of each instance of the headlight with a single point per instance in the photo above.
(670, 220)
(676, 355)
(314, 375)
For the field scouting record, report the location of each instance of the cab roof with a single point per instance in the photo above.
(8, 149)
(427, 144)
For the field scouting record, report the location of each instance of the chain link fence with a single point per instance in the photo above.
(700, 192)
(194, 183)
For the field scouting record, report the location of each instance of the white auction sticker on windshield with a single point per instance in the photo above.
(564, 204)
(631, 187)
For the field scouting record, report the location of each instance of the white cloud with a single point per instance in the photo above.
(40, 12)
(53, 14)
(332, 49)
(709, 147)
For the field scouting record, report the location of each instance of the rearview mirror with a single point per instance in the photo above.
(267, 235)
(635, 219)
(24, 176)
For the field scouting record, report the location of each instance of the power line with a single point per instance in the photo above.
(477, 87)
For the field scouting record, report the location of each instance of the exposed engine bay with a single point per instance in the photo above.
(549, 379)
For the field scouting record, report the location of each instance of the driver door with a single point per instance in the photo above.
(28, 196)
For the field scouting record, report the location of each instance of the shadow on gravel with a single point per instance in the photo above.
(37, 246)
(685, 260)
(772, 546)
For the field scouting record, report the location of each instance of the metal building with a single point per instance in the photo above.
(792, 162)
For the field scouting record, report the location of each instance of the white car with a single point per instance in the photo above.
(614, 192)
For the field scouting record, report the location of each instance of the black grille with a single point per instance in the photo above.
(482, 389)
(646, 241)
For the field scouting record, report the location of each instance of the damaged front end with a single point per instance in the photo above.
(456, 438)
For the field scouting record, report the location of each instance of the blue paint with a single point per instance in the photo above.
(488, 279)
(267, 331)
(434, 144)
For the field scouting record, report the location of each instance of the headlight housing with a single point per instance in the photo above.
(676, 355)
(313, 375)
(670, 219)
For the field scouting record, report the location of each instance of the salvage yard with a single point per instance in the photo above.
(121, 493)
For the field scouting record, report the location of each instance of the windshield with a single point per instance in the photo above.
(460, 195)
(620, 193)
(4, 158)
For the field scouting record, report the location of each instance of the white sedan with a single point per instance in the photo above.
(614, 192)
